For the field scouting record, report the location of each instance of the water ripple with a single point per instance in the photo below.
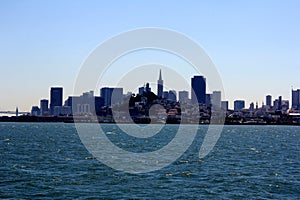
(48, 161)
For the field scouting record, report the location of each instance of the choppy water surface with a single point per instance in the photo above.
(40, 160)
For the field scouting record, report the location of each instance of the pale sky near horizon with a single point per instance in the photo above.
(255, 45)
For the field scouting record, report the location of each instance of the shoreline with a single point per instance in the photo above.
(63, 119)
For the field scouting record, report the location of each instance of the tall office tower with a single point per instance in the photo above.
(279, 102)
(44, 107)
(106, 93)
(183, 96)
(296, 98)
(111, 95)
(224, 105)
(160, 86)
(269, 101)
(198, 90)
(56, 98)
(216, 99)
(276, 104)
(99, 102)
(117, 96)
(239, 105)
(208, 100)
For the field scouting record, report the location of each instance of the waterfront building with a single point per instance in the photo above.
(56, 98)
(111, 96)
(57, 110)
(70, 100)
(160, 86)
(99, 102)
(296, 99)
(85, 104)
(224, 105)
(285, 105)
(35, 111)
(106, 94)
(280, 103)
(44, 103)
(198, 92)
(239, 105)
(183, 96)
(117, 96)
(216, 99)
(65, 110)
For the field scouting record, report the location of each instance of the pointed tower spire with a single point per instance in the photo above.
(160, 78)
(160, 86)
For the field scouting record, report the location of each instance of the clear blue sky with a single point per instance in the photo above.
(254, 44)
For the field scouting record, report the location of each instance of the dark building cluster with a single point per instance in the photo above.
(112, 104)
(165, 106)
(278, 111)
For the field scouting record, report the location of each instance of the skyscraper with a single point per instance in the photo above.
(198, 90)
(160, 86)
(86, 103)
(296, 98)
(44, 106)
(279, 102)
(216, 99)
(106, 93)
(56, 98)
(276, 104)
(239, 105)
(269, 100)
(111, 95)
(208, 100)
(183, 96)
(224, 105)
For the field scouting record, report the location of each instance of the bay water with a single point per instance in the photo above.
(49, 161)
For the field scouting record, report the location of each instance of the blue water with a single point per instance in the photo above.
(40, 160)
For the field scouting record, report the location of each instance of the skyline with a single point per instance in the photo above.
(253, 45)
(199, 87)
(109, 107)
